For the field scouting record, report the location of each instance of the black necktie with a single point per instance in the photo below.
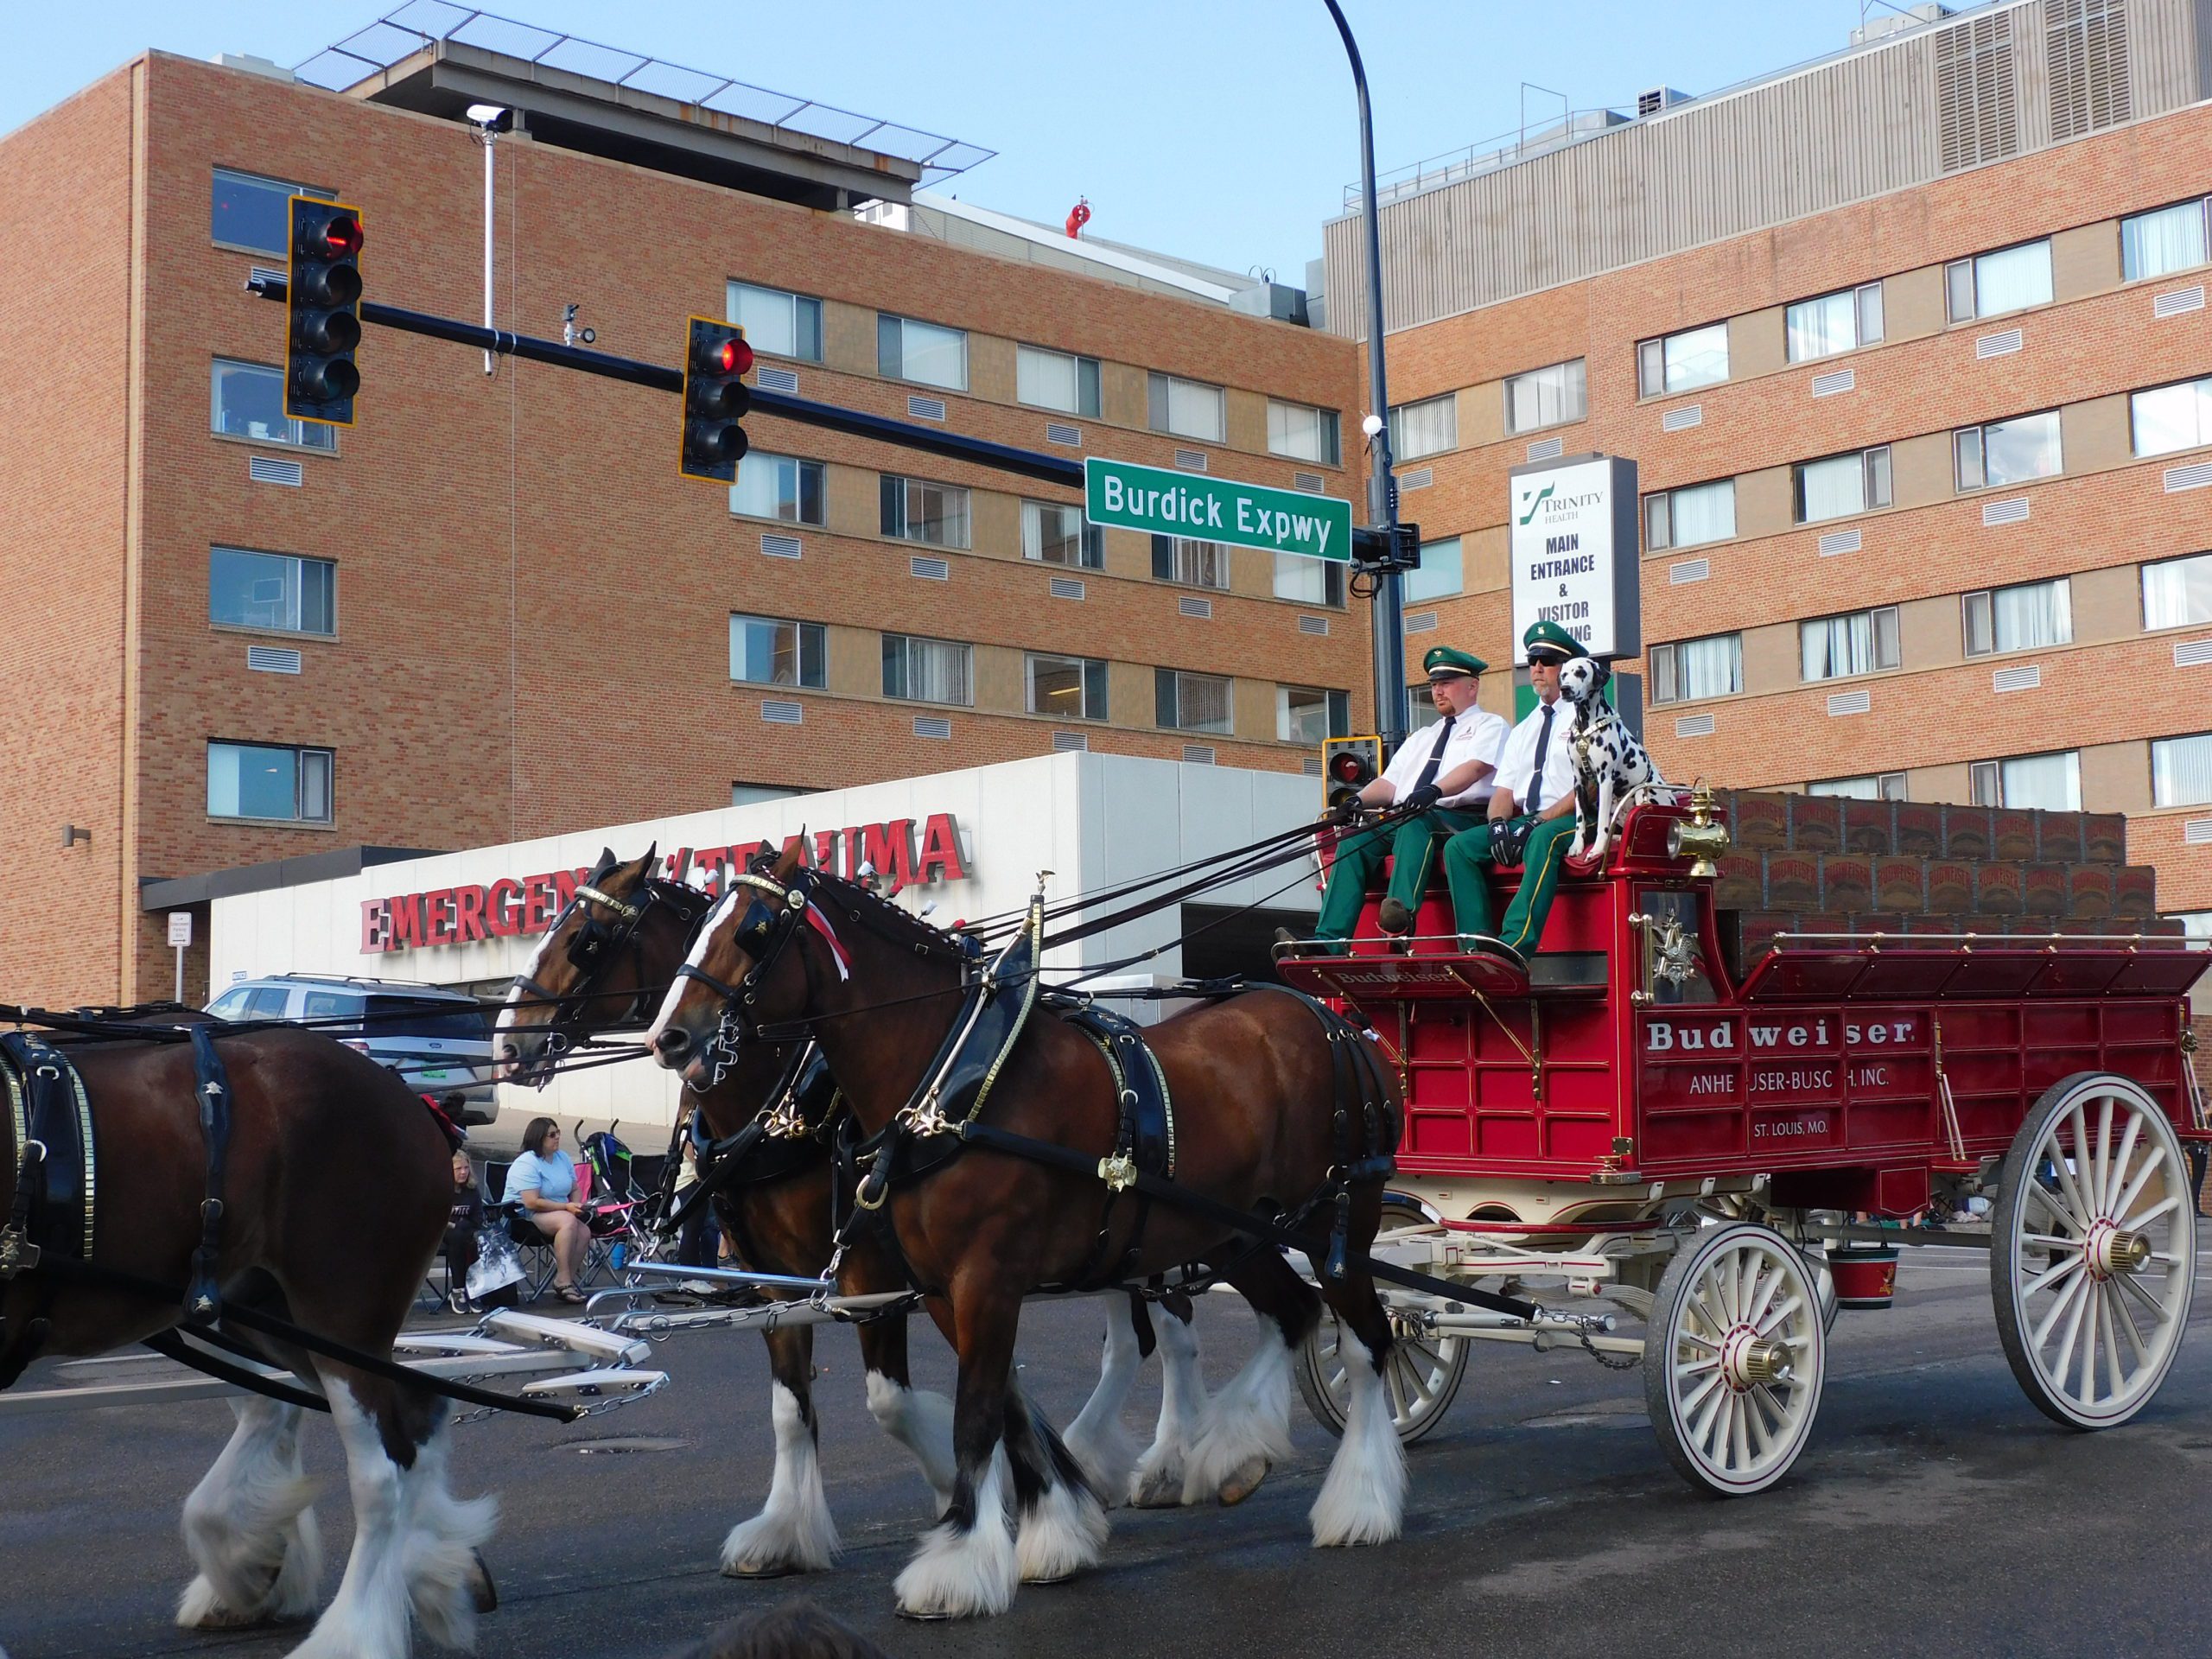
(1534, 803)
(1435, 755)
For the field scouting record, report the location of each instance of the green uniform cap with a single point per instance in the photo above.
(1444, 661)
(1549, 637)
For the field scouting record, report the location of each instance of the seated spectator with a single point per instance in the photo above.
(466, 1216)
(542, 1184)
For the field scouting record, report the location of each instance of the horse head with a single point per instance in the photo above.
(746, 968)
(600, 965)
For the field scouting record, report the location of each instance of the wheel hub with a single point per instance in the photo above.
(2111, 1250)
(1749, 1360)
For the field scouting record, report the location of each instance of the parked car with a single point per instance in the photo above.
(439, 1041)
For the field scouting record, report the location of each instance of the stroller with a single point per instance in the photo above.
(623, 1214)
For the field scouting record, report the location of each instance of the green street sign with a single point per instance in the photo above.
(1130, 496)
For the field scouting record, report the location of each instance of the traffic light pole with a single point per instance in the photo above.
(1388, 622)
(1030, 463)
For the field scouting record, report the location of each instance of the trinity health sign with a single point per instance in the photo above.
(1130, 496)
(1573, 552)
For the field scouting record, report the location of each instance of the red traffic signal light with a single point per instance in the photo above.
(715, 399)
(1348, 765)
(322, 301)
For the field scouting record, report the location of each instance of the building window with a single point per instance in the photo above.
(768, 651)
(778, 324)
(921, 352)
(1303, 433)
(2170, 239)
(2027, 617)
(1309, 582)
(1067, 687)
(1189, 408)
(1546, 397)
(914, 510)
(927, 670)
(1696, 357)
(2177, 593)
(2167, 418)
(248, 402)
(269, 780)
(2008, 452)
(1191, 703)
(1057, 380)
(271, 590)
(1195, 565)
(778, 486)
(2052, 782)
(1441, 573)
(1990, 284)
(1842, 321)
(1862, 642)
(745, 794)
(1310, 716)
(1427, 428)
(2181, 771)
(1690, 517)
(1693, 670)
(247, 211)
(1881, 786)
(1841, 485)
(1056, 534)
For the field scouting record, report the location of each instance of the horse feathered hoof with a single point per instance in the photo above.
(1244, 1480)
(481, 1587)
(766, 1570)
(1160, 1487)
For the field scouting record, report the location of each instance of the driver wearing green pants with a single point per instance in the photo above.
(1442, 775)
(1531, 817)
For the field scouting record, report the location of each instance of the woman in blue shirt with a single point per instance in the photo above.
(542, 1183)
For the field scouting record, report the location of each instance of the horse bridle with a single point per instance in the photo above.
(762, 932)
(597, 943)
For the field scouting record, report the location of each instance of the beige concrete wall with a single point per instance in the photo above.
(1757, 343)
(1246, 422)
(1254, 705)
(1762, 502)
(2116, 777)
(1946, 783)
(848, 337)
(2096, 433)
(1929, 633)
(2108, 603)
(852, 501)
(2084, 259)
(1482, 414)
(1123, 395)
(1921, 471)
(991, 368)
(1773, 661)
(1912, 303)
(995, 523)
(1000, 679)
(856, 662)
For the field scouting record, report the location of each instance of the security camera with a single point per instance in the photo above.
(1371, 425)
(492, 117)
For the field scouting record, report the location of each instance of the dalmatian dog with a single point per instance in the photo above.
(1608, 760)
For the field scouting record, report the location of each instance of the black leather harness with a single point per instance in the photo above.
(56, 1208)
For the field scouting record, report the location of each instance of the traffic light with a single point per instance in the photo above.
(1348, 765)
(715, 399)
(322, 292)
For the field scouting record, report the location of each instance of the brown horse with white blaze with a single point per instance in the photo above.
(624, 935)
(312, 1126)
(1256, 1080)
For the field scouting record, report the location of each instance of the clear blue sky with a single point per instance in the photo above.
(1217, 130)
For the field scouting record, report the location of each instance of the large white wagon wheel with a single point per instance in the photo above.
(2093, 1252)
(1424, 1372)
(1734, 1358)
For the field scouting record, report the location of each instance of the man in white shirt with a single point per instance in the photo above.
(1531, 815)
(1443, 772)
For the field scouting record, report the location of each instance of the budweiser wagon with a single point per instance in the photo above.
(1728, 1157)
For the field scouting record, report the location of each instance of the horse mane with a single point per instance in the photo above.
(887, 920)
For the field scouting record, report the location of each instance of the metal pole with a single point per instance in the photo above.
(1389, 614)
(487, 239)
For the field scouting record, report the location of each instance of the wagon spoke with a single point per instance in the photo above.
(2081, 1306)
(1396, 1385)
(1697, 1367)
(2060, 1303)
(1713, 1300)
(1739, 1436)
(2133, 1190)
(1702, 1431)
(1415, 1378)
(2045, 1280)
(2137, 1223)
(2117, 1312)
(2065, 1217)
(1697, 1341)
(1755, 1414)
(1779, 1314)
(2051, 1241)
(1774, 1281)
(2158, 1311)
(2103, 1175)
(2090, 1343)
(2066, 1185)
(2116, 1177)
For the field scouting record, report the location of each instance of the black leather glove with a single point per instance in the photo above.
(1420, 800)
(1508, 840)
(1346, 812)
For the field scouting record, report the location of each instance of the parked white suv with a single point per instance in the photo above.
(439, 1041)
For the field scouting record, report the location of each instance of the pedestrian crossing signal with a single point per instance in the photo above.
(715, 398)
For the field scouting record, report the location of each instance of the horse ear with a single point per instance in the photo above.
(606, 862)
(794, 857)
(646, 863)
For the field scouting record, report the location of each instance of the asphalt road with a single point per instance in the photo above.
(1936, 1511)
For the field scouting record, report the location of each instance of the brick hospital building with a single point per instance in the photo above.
(492, 609)
(1911, 347)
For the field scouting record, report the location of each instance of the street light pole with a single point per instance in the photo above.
(1389, 614)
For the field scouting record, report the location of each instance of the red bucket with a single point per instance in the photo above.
(1866, 1275)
